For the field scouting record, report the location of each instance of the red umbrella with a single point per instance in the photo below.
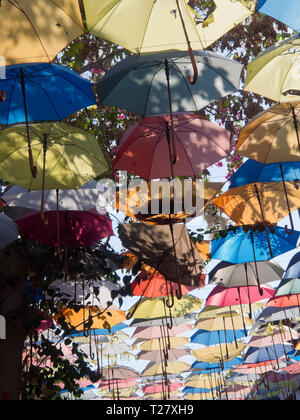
(284, 301)
(159, 387)
(146, 149)
(158, 286)
(66, 228)
(230, 296)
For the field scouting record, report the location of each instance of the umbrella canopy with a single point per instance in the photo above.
(156, 355)
(155, 332)
(156, 344)
(211, 338)
(272, 136)
(50, 91)
(202, 381)
(278, 337)
(237, 275)
(156, 26)
(293, 268)
(219, 353)
(236, 247)
(139, 83)
(284, 301)
(85, 198)
(173, 368)
(9, 232)
(158, 322)
(258, 355)
(154, 245)
(119, 372)
(199, 144)
(157, 286)
(287, 11)
(273, 313)
(274, 72)
(66, 228)
(93, 315)
(137, 204)
(160, 387)
(73, 156)
(209, 366)
(38, 31)
(155, 308)
(288, 287)
(228, 296)
(219, 324)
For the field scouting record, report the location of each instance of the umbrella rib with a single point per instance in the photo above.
(188, 85)
(61, 156)
(158, 68)
(185, 152)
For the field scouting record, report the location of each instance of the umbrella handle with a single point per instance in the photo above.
(289, 232)
(2, 96)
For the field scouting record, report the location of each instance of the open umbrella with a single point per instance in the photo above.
(37, 31)
(269, 353)
(211, 338)
(287, 11)
(42, 92)
(66, 157)
(285, 301)
(288, 287)
(156, 344)
(155, 355)
(274, 72)
(67, 228)
(9, 232)
(155, 332)
(173, 368)
(293, 268)
(198, 144)
(272, 135)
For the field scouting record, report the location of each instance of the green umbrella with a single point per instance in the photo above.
(288, 287)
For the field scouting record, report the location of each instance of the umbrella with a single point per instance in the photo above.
(199, 144)
(38, 31)
(225, 324)
(67, 228)
(274, 72)
(67, 157)
(243, 244)
(287, 11)
(159, 286)
(142, 205)
(262, 193)
(230, 364)
(211, 338)
(269, 353)
(288, 287)
(157, 26)
(237, 275)
(277, 337)
(293, 268)
(173, 368)
(219, 353)
(154, 245)
(158, 322)
(85, 198)
(156, 356)
(155, 332)
(119, 372)
(285, 301)
(159, 387)
(157, 344)
(100, 331)
(42, 92)
(9, 232)
(273, 313)
(273, 135)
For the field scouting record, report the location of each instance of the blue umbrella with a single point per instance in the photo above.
(286, 11)
(191, 390)
(211, 338)
(293, 268)
(252, 171)
(243, 244)
(102, 331)
(269, 353)
(42, 92)
(208, 366)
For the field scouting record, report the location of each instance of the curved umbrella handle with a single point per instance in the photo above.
(289, 232)
(193, 80)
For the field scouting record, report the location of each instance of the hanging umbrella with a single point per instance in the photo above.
(287, 11)
(156, 356)
(293, 268)
(173, 368)
(67, 157)
(243, 244)
(273, 313)
(273, 135)
(157, 344)
(9, 232)
(284, 301)
(230, 364)
(138, 205)
(225, 324)
(158, 286)
(274, 72)
(157, 26)
(119, 372)
(262, 193)
(237, 275)
(38, 31)
(160, 387)
(228, 296)
(288, 287)
(155, 332)
(258, 355)
(219, 353)
(154, 246)
(211, 338)
(66, 228)
(85, 198)
(199, 144)
(99, 331)
(42, 92)
(277, 337)
(158, 322)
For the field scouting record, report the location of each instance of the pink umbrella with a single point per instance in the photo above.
(278, 337)
(146, 149)
(122, 383)
(156, 332)
(160, 387)
(230, 296)
(156, 355)
(66, 228)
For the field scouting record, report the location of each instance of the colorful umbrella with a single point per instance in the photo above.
(156, 344)
(219, 353)
(66, 228)
(198, 144)
(284, 301)
(287, 11)
(159, 387)
(225, 324)
(243, 244)
(155, 332)
(269, 353)
(156, 355)
(288, 287)
(9, 232)
(119, 372)
(173, 368)
(211, 338)
(38, 31)
(274, 72)
(293, 268)
(272, 135)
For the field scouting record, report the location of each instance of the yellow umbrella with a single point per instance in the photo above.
(204, 381)
(274, 72)
(216, 311)
(36, 31)
(272, 136)
(156, 25)
(224, 351)
(156, 343)
(261, 202)
(221, 323)
(173, 368)
(155, 308)
(132, 201)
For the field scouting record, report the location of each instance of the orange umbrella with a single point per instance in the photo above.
(285, 301)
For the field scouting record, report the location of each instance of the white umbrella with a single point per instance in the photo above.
(8, 231)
